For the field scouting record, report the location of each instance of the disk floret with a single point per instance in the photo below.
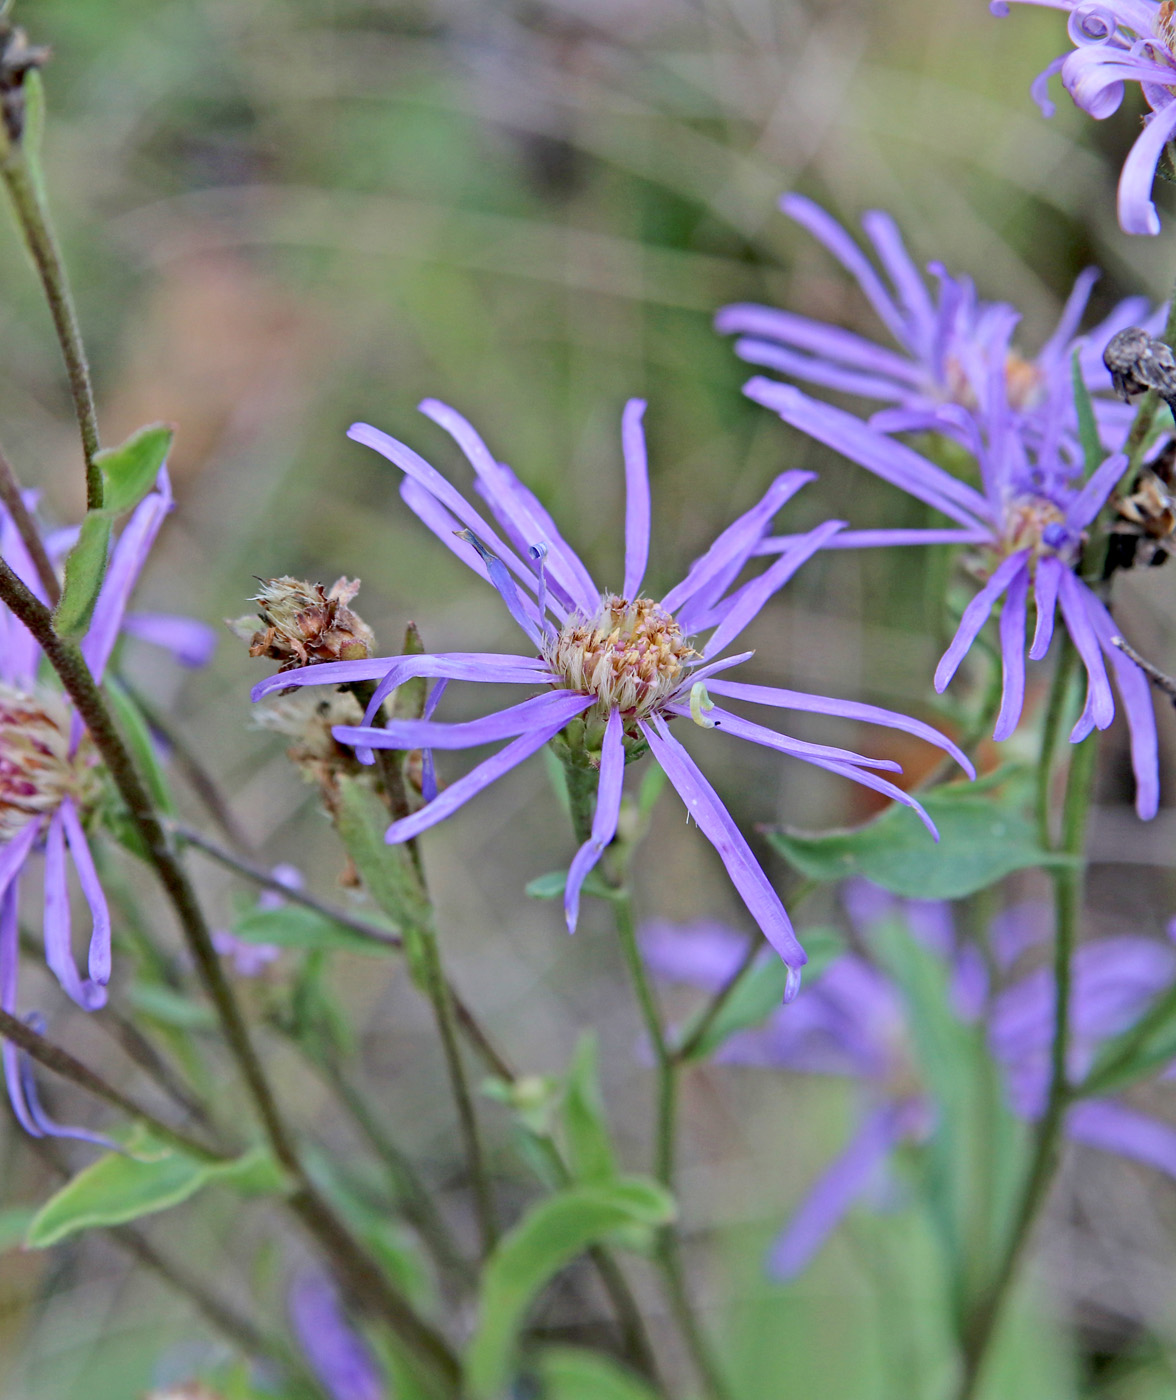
(1039, 524)
(37, 768)
(631, 656)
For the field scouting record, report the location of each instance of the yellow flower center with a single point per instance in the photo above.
(630, 656)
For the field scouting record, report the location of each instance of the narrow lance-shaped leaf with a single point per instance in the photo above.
(568, 1373)
(590, 1148)
(1092, 448)
(129, 470)
(548, 1238)
(85, 568)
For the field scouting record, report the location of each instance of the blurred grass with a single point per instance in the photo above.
(282, 216)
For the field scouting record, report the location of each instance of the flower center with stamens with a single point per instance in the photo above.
(1165, 25)
(1036, 523)
(1023, 383)
(630, 655)
(37, 770)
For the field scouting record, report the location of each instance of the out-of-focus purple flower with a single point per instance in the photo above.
(1025, 527)
(252, 959)
(619, 668)
(50, 777)
(1118, 42)
(950, 343)
(337, 1354)
(853, 1022)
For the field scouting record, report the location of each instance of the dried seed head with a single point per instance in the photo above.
(37, 770)
(630, 656)
(304, 625)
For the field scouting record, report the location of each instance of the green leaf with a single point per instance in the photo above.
(295, 926)
(1156, 1046)
(982, 839)
(85, 568)
(757, 995)
(1092, 448)
(138, 737)
(553, 884)
(568, 1373)
(170, 1008)
(386, 871)
(117, 1188)
(590, 1148)
(548, 1238)
(129, 470)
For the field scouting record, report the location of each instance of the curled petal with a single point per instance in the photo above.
(976, 615)
(1045, 594)
(79, 849)
(1012, 651)
(1079, 607)
(58, 925)
(1137, 213)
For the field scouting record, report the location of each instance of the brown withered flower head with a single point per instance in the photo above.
(304, 625)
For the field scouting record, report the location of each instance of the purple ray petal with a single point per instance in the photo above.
(764, 323)
(714, 821)
(126, 563)
(1116, 1128)
(44, 1125)
(887, 789)
(415, 466)
(827, 231)
(9, 967)
(1045, 593)
(976, 615)
(190, 641)
(460, 792)
(79, 849)
(1071, 318)
(1137, 213)
(795, 748)
(488, 666)
(511, 501)
(845, 381)
(883, 232)
(58, 924)
(504, 586)
(1091, 499)
(841, 709)
(1012, 652)
(637, 508)
(882, 539)
(14, 854)
(724, 559)
(827, 1203)
(890, 460)
(428, 768)
(337, 1354)
(561, 705)
(1135, 690)
(605, 818)
(759, 590)
(1077, 610)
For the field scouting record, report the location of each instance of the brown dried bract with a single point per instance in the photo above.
(304, 625)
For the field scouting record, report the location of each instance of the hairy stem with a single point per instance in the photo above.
(1068, 884)
(33, 217)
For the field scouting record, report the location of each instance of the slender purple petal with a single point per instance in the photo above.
(511, 501)
(841, 709)
(976, 615)
(14, 854)
(428, 767)
(126, 563)
(79, 849)
(1116, 1128)
(504, 585)
(883, 232)
(890, 460)
(9, 967)
(1091, 499)
(1135, 690)
(845, 381)
(58, 924)
(1137, 213)
(882, 539)
(765, 323)
(190, 641)
(768, 583)
(605, 818)
(1071, 318)
(44, 1125)
(714, 821)
(1045, 593)
(637, 507)
(460, 792)
(1012, 651)
(827, 1203)
(489, 667)
(561, 705)
(731, 550)
(1078, 608)
(337, 1354)
(795, 748)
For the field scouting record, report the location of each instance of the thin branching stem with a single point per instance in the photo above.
(12, 495)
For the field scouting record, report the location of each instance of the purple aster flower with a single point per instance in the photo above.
(1025, 528)
(949, 343)
(613, 672)
(50, 778)
(1118, 42)
(852, 1022)
(337, 1354)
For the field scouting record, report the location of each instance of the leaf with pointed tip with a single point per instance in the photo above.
(590, 1148)
(85, 568)
(569, 1373)
(129, 470)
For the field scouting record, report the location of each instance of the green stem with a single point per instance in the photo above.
(1068, 883)
(372, 1289)
(33, 217)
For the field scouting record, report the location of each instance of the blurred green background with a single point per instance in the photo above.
(284, 216)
